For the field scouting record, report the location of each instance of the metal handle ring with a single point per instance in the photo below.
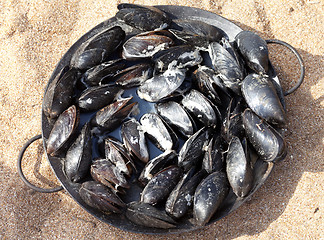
(21, 174)
(300, 60)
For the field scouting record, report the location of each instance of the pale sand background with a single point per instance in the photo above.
(33, 37)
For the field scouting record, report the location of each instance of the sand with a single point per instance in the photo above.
(33, 37)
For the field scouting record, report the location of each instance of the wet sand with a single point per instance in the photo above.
(33, 37)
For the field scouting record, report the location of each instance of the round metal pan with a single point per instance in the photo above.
(262, 169)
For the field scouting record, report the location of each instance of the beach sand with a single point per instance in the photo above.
(34, 35)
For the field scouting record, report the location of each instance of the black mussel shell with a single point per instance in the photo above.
(108, 174)
(79, 156)
(260, 94)
(162, 85)
(146, 215)
(209, 194)
(156, 164)
(161, 185)
(180, 56)
(145, 45)
(177, 117)
(145, 18)
(213, 158)
(268, 143)
(232, 123)
(192, 150)
(254, 50)
(238, 167)
(158, 132)
(119, 156)
(207, 82)
(181, 198)
(111, 116)
(196, 32)
(100, 197)
(98, 48)
(62, 130)
(135, 75)
(102, 72)
(201, 108)
(97, 97)
(134, 139)
(59, 94)
(227, 66)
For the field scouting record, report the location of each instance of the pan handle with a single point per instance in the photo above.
(300, 60)
(21, 174)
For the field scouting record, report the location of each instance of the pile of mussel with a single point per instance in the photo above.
(170, 107)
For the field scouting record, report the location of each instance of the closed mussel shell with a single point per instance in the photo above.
(194, 28)
(145, 45)
(238, 167)
(102, 72)
(146, 215)
(59, 95)
(209, 194)
(268, 143)
(79, 156)
(62, 130)
(97, 97)
(181, 197)
(100, 197)
(260, 94)
(96, 49)
(111, 116)
(254, 50)
(201, 108)
(160, 186)
(145, 18)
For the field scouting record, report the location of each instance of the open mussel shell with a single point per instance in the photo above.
(134, 140)
(159, 132)
(156, 164)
